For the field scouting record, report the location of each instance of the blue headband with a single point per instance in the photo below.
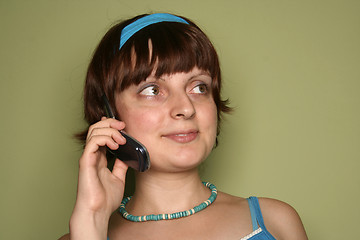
(139, 24)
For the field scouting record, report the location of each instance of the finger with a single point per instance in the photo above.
(113, 123)
(106, 123)
(94, 153)
(119, 170)
(113, 133)
(95, 142)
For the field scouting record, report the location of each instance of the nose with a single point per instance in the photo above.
(182, 107)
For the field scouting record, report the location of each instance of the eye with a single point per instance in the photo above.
(151, 90)
(200, 89)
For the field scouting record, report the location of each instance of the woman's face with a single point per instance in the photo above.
(174, 116)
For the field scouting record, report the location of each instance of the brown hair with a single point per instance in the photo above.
(176, 47)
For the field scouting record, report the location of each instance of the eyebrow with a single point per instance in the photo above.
(202, 73)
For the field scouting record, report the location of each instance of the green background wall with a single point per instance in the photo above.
(290, 68)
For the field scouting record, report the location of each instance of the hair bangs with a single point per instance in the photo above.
(167, 48)
(176, 49)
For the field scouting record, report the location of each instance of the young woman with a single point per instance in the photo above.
(161, 75)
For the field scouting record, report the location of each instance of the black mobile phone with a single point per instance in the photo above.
(133, 153)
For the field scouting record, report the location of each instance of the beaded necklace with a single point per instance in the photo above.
(154, 217)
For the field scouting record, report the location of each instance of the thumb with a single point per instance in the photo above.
(119, 170)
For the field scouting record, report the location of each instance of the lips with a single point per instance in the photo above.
(183, 137)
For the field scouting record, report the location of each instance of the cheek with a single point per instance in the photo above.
(138, 123)
(210, 113)
(209, 120)
(214, 121)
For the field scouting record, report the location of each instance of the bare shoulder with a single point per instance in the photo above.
(282, 220)
(65, 237)
(227, 198)
(232, 202)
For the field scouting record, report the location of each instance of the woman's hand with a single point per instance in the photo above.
(100, 191)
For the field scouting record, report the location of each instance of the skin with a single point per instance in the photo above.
(175, 117)
(176, 113)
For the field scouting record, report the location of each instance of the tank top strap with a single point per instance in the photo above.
(256, 216)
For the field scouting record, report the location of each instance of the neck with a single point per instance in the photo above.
(166, 193)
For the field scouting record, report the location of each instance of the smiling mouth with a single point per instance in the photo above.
(183, 137)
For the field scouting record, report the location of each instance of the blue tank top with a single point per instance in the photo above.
(259, 230)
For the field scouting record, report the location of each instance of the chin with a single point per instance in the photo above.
(184, 161)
